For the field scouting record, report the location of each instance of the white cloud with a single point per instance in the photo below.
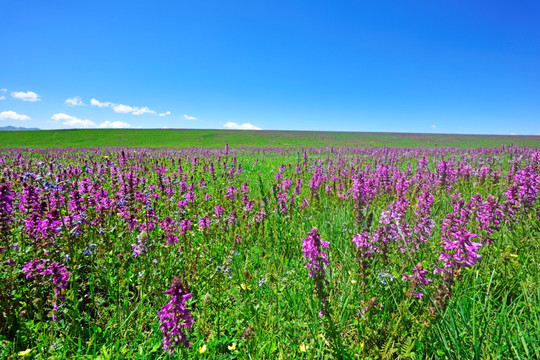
(12, 115)
(115, 125)
(74, 101)
(143, 110)
(244, 126)
(124, 109)
(2, 97)
(3, 90)
(165, 127)
(187, 117)
(100, 104)
(433, 126)
(75, 122)
(25, 96)
(165, 113)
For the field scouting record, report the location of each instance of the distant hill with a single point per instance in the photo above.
(14, 128)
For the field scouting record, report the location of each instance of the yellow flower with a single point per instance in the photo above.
(25, 352)
(232, 347)
(303, 348)
(202, 349)
(353, 281)
(245, 287)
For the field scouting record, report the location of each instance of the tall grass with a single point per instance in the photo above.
(252, 296)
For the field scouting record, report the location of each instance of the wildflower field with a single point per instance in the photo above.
(267, 253)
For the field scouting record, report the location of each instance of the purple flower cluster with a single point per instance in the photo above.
(169, 226)
(460, 251)
(394, 224)
(317, 260)
(417, 280)
(6, 208)
(57, 273)
(423, 226)
(141, 246)
(458, 248)
(316, 257)
(175, 318)
(490, 214)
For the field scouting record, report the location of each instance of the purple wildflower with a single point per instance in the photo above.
(140, 247)
(219, 211)
(231, 193)
(417, 280)
(204, 222)
(185, 226)
(316, 262)
(313, 252)
(175, 318)
(58, 273)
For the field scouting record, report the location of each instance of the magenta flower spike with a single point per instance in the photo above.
(176, 320)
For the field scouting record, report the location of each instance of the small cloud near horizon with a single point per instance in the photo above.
(245, 126)
(187, 117)
(12, 115)
(433, 126)
(114, 125)
(25, 96)
(165, 113)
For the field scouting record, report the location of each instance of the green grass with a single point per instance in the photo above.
(111, 305)
(216, 138)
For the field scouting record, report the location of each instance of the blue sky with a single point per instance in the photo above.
(403, 66)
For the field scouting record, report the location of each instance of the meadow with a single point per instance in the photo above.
(167, 138)
(268, 253)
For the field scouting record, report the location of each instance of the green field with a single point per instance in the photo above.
(430, 253)
(246, 138)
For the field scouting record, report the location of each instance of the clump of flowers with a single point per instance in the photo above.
(364, 253)
(316, 262)
(423, 228)
(141, 246)
(175, 318)
(316, 257)
(204, 223)
(6, 209)
(459, 251)
(417, 280)
(58, 273)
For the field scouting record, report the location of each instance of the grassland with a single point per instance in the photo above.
(270, 138)
(426, 258)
